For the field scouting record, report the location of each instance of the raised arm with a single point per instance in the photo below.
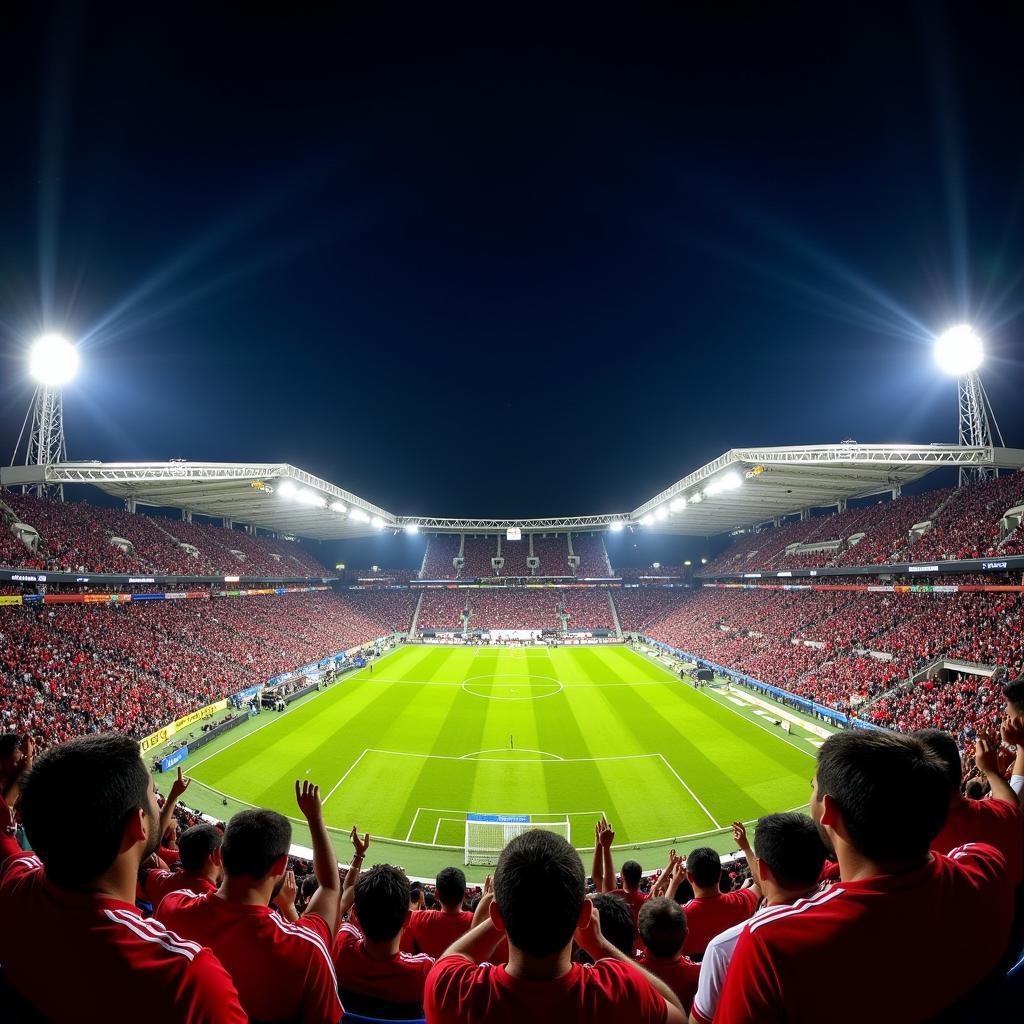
(178, 787)
(1012, 732)
(326, 901)
(607, 868)
(348, 892)
(285, 899)
(739, 835)
(597, 870)
(985, 759)
(659, 887)
(26, 752)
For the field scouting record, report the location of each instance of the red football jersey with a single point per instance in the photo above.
(680, 973)
(708, 916)
(283, 971)
(922, 940)
(609, 991)
(635, 900)
(156, 884)
(399, 979)
(992, 822)
(78, 956)
(433, 931)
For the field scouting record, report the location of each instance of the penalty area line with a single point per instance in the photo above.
(344, 777)
(682, 782)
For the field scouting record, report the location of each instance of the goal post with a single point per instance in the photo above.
(488, 834)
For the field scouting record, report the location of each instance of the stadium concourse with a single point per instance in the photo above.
(150, 896)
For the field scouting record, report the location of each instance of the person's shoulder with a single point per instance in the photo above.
(182, 900)
(975, 860)
(307, 939)
(792, 922)
(148, 939)
(20, 867)
(416, 963)
(348, 937)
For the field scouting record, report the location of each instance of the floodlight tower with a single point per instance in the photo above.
(53, 362)
(960, 353)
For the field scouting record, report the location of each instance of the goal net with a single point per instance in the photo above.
(488, 834)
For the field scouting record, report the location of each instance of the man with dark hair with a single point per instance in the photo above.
(538, 903)
(374, 977)
(617, 924)
(283, 970)
(201, 866)
(14, 749)
(71, 936)
(786, 863)
(996, 821)
(433, 931)
(879, 800)
(663, 928)
(711, 911)
(1011, 731)
(1013, 691)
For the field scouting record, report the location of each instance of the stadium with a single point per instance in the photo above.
(280, 740)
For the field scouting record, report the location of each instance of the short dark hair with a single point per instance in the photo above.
(791, 845)
(539, 886)
(254, 840)
(975, 789)
(704, 867)
(944, 747)
(663, 926)
(891, 790)
(616, 921)
(1013, 691)
(631, 874)
(87, 787)
(451, 886)
(8, 743)
(382, 901)
(195, 844)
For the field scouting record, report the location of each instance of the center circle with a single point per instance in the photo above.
(512, 686)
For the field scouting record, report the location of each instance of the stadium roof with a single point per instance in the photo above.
(740, 488)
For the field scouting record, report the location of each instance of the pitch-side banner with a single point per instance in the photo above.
(161, 736)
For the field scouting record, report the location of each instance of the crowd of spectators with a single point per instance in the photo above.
(438, 562)
(593, 556)
(553, 555)
(514, 608)
(79, 537)
(587, 608)
(515, 553)
(477, 553)
(442, 609)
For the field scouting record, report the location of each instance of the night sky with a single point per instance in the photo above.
(482, 268)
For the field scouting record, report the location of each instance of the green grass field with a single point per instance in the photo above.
(434, 732)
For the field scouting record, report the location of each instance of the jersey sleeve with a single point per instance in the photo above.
(713, 969)
(751, 993)
(623, 985)
(320, 1003)
(8, 840)
(450, 987)
(207, 994)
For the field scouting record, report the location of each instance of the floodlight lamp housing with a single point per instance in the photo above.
(959, 351)
(53, 361)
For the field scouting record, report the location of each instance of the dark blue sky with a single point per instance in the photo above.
(482, 268)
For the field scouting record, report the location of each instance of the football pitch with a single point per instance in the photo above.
(405, 751)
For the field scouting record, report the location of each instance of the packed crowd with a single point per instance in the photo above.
(202, 921)
(78, 537)
(514, 608)
(593, 556)
(586, 608)
(442, 609)
(552, 554)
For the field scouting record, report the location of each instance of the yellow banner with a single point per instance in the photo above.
(156, 739)
(10, 599)
(197, 716)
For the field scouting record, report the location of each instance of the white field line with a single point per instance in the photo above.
(437, 828)
(344, 777)
(682, 782)
(475, 756)
(768, 729)
(539, 814)
(408, 835)
(509, 760)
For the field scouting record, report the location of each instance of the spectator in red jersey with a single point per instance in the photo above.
(787, 865)
(617, 924)
(539, 904)
(374, 977)
(603, 873)
(712, 911)
(15, 757)
(71, 937)
(201, 870)
(663, 928)
(283, 970)
(632, 874)
(880, 799)
(433, 931)
(995, 821)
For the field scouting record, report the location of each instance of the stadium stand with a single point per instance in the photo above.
(478, 552)
(442, 609)
(553, 555)
(437, 562)
(515, 553)
(78, 537)
(590, 549)
(513, 608)
(587, 608)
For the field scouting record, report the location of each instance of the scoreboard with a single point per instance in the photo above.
(514, 533)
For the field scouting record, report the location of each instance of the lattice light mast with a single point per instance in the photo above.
(53, 363)
(960, 353)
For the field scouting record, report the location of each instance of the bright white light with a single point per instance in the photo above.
(338, 506)
(648, 520)
(287, 489)
(726, 482)
(53, 361)
(677, 505)
(696, 499)
(412, 528)
(656, 565)
(661, 513)
(376, 522)
(360, 516)
(617, 526)
(703, 561)
(306, 497)
(958, 351)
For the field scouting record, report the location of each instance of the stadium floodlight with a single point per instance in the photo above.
(412, 528)
(377, 523)
(703, 561)
(360, 516)
(307, 497)
(339, 507)
(53, 361)
(287, 489)
(959, 351)
(687, 562)
(617, 526)
(677, 505)
(726, 482)
(648, 520)
(696, 499)
(661, 513)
